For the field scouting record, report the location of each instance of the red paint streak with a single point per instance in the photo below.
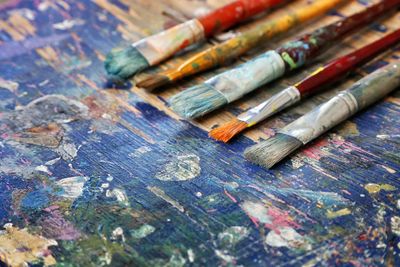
(229, 15)
(339, 67)
(280, 219)
(254, 220)
(362, 237)
(184, 44)
(314, 151)
(230, 196)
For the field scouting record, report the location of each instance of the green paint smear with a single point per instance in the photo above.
(195, 65)
(96, 251)
(143, 231)
(289, 60)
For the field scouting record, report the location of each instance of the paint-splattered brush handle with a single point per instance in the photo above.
(159, 47)
(299, 52)
(237, 46)
(225, 17)
(339, 67)
(362, 94)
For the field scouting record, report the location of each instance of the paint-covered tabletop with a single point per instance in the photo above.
(97, 176)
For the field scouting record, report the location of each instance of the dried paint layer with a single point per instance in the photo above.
(182, 168)
(19, 247)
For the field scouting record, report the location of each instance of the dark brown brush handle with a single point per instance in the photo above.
(299, 52)
(337, 68)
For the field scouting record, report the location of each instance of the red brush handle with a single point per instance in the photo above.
(337, 68)
(227, 16)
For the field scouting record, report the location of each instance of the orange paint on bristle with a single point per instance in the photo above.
(228, 130)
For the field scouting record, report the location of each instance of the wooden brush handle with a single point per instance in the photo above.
(337, 68)
(299, 52)
(228, 15)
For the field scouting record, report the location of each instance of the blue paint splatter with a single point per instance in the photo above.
(35, 200)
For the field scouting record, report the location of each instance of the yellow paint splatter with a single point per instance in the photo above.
(334, 214)
(373, 188)
(348, 129)
(18, 247)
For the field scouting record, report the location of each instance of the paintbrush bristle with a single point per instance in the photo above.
(125, 63)
(228, 130)
(151, 82)
(273, 150)
(197, 101)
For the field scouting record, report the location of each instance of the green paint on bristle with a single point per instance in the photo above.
(197, 101)
(123, 64)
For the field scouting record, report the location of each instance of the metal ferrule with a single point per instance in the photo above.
(322, 118)
(360, 95)
(243, 79)
(276, 103)
(160, 46)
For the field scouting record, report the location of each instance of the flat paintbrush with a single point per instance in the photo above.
(330, 73)
(156, 48)
(233, 84)
(316, 122)
(237, 46)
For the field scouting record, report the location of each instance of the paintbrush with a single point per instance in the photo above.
(156, 48)
(233, 84)
(330, 73)
(237, 46)
(316, 122)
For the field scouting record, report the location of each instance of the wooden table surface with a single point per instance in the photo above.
(94, 176)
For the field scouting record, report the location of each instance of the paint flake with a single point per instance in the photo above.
(182, 168)
(19, 247)
(71, 187)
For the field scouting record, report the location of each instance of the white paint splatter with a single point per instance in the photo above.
(387, 136)
(139, 151)
(105, 185)
(71, 187)
(9, 85)
(109, 178)
(142, 231)
(224, 256)
(182, 168)
(53, 161)
(67, 151)
(118, 233)
(395, 225)
(161, 194)
(257, 210)
(43, 168)
(119, 194)
(231, 236)
(25, 12)
(286, 237)
(388, 169)
(68, 24)
(191, 255)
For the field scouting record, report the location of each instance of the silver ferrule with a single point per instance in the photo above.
(160, 46)
(235, 83)
(276, 103)
(322, 118)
